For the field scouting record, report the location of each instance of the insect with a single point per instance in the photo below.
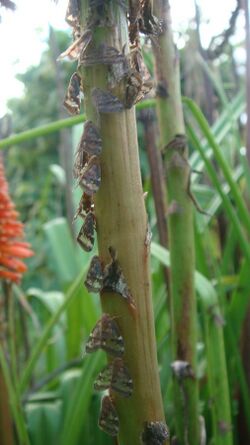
(86, 235)
(94, 279)
(72, 13)
(103, 54)
(85, 206)
(182, 370)
(90, 176)
(114, 280)
(115, 376)
(72, 99)
(79, 45)
(106, 102)
(108, 419)
(90, 145)
(154, 433)
(91, 141)
(106, 335)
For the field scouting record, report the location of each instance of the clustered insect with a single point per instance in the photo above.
(128, 71)
(115, 375)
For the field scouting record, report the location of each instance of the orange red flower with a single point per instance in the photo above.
(12, 248)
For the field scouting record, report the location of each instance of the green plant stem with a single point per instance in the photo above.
(35, 354)
(14, 402)
(225, 199)
(122, 224)
(12, 339)
(218, 394)
(180, 228)
(53, 127)
(225, 168)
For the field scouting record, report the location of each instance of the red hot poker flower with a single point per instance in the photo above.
(12, 248)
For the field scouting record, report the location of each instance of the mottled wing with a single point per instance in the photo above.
(72, 13)
(104, 378)
(91, 141)
(103, 54)
(106, 102)
(90, 178)
(86, 235)
(112, 341)
(94, 279)
(78, 46)
(121, 380)
(72, 99)
(85, 206)
(108, 419)
(114, 281)
(95, 338)
(154, 433)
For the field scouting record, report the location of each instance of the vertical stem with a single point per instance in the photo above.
(157, 180)
(247, 15)
(122, 224)
(6, 431)
(180, 227)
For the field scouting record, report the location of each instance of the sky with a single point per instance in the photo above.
(23, 33)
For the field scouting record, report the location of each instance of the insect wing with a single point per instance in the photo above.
(108, 419)
(155, 433)
(121, 379)
(90, 140)
(72, 13)
(94, 279)
(112, 340)
(85, 206)
(104, 378)
(86, 236)
(104, 54)
(72, 101)
(95, 339)
(90, 178)
(114, 280)
(106, 335)
(106, 102)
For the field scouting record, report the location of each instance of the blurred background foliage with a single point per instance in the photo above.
(51, 377)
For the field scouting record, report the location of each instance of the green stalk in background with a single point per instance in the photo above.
(122, 223)
(218, 388)
(180, 228)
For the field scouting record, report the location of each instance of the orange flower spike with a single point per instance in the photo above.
(12, 246)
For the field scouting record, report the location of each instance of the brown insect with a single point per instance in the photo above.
(106, 335)
(148, 24)
(72, 99)
(115, 376)
(86, 235)
(85, 206)
(72, 13)
(114, 280)
(90, 141)
(106, 102)
(90, 176)
(103, 54)
(182, 370)
(94, 278)
(154, 433)
(133, 89)
(78, 46)
(108, 419)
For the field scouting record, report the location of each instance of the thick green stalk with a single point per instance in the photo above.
(122, 224)
(217, 376)
(180, 227)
